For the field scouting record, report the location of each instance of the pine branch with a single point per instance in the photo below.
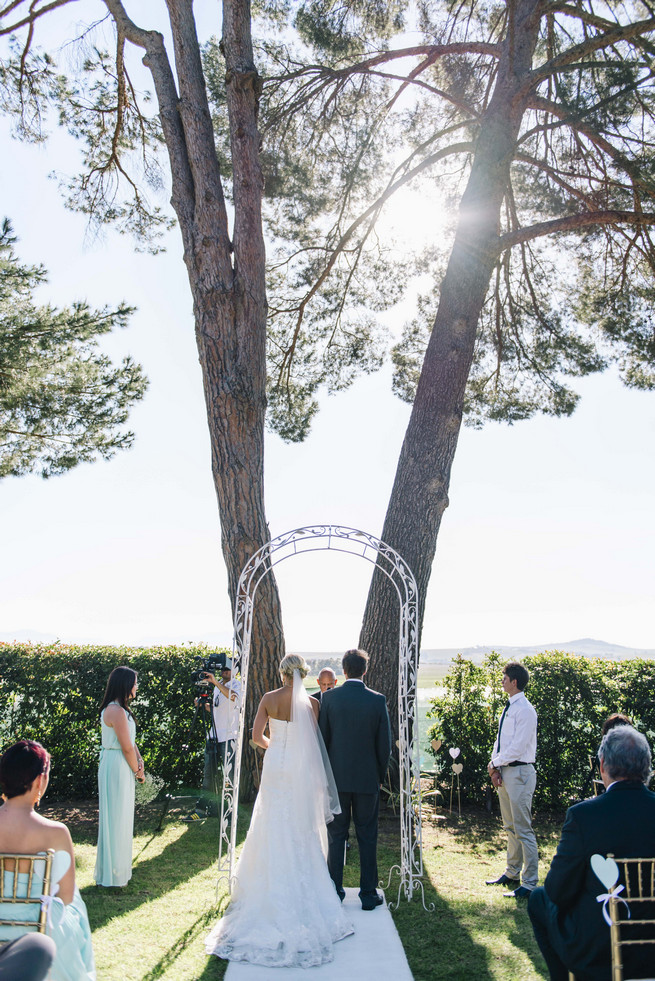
(572, 223)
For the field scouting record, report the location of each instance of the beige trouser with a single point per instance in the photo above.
(515, 796)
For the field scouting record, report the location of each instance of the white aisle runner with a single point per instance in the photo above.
(373, 952)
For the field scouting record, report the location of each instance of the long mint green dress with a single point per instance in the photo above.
(116, 809)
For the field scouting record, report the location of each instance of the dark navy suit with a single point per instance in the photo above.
(567, 921)
(355, 725)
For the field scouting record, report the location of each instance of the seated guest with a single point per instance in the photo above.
(593, 780)
(29, 958)
(24, 775)
(614, 720)
(566, 918)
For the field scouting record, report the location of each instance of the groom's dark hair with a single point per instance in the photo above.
(354, 663)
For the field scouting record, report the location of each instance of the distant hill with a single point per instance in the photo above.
(317, 659)
(585, 647)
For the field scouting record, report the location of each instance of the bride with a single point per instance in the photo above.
(285, 911)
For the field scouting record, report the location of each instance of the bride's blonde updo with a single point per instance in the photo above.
(291, 663)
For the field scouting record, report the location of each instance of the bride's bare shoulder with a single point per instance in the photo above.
(273, 697)
(277, 702)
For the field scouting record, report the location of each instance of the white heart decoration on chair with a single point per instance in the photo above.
(454, 752)
(606, 869)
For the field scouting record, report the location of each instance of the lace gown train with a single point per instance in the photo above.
(285, 911)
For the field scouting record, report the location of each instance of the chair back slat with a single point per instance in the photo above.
(638, 875)
(38, 878)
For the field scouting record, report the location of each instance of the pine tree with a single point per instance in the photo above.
(62, 402)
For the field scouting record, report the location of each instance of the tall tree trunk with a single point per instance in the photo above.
(419, 495)
(228, 286)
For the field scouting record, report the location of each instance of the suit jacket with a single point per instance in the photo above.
(355, 725)
(316, 695)
(620, 821)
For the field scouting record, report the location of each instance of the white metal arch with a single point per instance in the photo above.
(359, 543)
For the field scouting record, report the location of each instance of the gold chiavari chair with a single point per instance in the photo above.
(16, 909)
(639, 928)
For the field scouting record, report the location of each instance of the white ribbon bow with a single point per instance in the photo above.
(46, 904)
(605, 897)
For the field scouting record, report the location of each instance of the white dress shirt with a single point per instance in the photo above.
(518, 739)
(226, 712)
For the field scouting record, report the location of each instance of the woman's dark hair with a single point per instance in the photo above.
(119, 686)
(20, 765)
(614, 720)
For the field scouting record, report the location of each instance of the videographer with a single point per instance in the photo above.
(222, 730)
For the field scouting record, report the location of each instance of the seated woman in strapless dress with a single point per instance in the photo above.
(24, 775)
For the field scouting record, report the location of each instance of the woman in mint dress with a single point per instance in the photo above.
(24, 775)
(120, 764)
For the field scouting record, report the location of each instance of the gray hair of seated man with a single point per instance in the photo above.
(625, 755)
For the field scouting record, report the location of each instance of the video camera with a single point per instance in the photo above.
(213, 662)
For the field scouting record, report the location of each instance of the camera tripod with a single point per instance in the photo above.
(208, 725)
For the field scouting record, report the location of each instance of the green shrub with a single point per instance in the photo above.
(51, 693)
(467, 714)
(572, 696)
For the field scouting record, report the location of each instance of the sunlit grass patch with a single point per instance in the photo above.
(154, 927)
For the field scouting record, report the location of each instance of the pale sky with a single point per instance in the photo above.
(549, 537)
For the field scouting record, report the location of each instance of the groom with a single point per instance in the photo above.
(355, 725)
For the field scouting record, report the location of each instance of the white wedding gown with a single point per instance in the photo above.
(284, 911)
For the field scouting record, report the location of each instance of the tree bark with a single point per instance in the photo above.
(419, 495)
(228, 286)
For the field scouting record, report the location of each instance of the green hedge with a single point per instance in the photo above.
(51, 693)
(572, 696)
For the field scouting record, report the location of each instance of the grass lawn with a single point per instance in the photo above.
(154, 927)
(432, 674)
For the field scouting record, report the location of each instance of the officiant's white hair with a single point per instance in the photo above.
(294, 662)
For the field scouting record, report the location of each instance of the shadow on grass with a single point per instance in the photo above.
(528, 944)
(191, 935)
(472, 932)
(215, 968)
(436, 942)
(194, 851)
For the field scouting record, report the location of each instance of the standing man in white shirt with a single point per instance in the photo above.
(512, 772)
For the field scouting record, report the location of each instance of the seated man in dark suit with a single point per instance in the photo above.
(566, 918)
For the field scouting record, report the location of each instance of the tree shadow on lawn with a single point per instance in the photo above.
(215, 967)
(528, 944)
(436, 942)
(182, 859)
(440, 944)
(473, 931)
